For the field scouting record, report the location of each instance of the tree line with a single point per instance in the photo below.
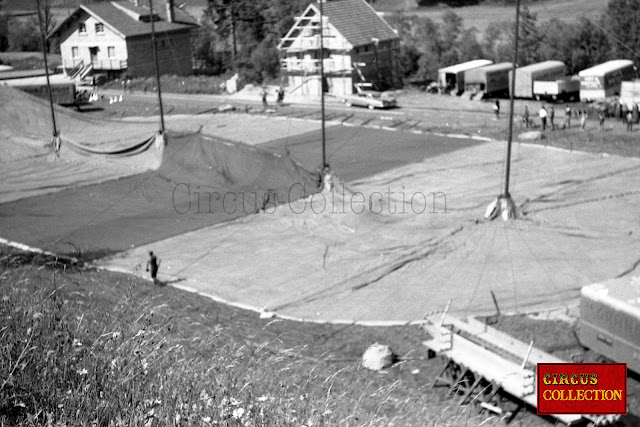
(429, 45)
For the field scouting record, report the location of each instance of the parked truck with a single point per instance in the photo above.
(605, 80)
(565, 89)
(451, 79)
(491, 80)
(610, 320)
(525, 76)
(630, 93)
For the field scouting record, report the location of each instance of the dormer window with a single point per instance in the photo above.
(99, 28)
(82, 29)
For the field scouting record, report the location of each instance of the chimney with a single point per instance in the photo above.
(170, 17)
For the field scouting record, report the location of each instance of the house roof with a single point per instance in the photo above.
(605, 67)
(357, 21)
(129, 20)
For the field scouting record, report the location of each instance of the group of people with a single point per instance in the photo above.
(279, 99)
(627, 115)
(547, 117)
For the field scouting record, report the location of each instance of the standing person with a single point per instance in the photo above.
(543, 117)
(280, 95)
(153, 264)
(265, 104)
(526, 116)
(601, 120)
(552, 115)
(496, 109)
(629, 119)
(567, 117)
(624, 110)
(583, 119)
(635, 113)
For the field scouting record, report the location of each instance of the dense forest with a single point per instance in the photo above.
(242, 36)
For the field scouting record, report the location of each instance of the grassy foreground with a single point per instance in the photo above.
(79, 347)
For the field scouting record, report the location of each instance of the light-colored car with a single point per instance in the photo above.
(371, 99)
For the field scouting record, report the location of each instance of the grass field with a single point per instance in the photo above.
(83, 347)
(29, 60)
(481, 16)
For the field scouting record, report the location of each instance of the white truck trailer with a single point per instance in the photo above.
(525, 76)
(610, 320)
(630, 93)
(605, 79)
(565, 89)
(490, 80)
(451, 79)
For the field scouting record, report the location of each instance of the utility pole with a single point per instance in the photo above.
(504, 205)
(55, 141)
(325, 165)
(155, 59)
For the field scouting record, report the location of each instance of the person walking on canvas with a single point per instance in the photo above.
(152, 266)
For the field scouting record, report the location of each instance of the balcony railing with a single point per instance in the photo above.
(98, 64)
(312, 66)
(109, 64)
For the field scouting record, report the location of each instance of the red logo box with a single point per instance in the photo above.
(582, 388)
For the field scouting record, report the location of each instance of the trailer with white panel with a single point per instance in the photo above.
(605, 79)
(525, 76)
(565, 89)
(451, 79)
(630, 93)
(490, 80)
(610, 320)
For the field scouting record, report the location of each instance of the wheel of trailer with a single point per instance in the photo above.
(371, 107)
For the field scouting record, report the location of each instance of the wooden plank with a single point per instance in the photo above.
(494, 368)
(502, 340)
(466, 394)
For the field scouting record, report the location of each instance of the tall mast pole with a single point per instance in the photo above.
(507, 169)
(325, 165)
(155, 59)
(504, 206)
(56, 135)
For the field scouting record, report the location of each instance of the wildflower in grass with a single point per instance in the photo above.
(206, 419)
(235, 402)
(263, 399)
(204, 396)
(83, 371)
(77, 343)
(238, 413)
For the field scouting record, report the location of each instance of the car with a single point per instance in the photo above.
(371, 99)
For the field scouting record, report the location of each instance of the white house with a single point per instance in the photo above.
(115, 37)
(359, 47)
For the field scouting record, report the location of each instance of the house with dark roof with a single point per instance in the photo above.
(359, 49)
(115, 37)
